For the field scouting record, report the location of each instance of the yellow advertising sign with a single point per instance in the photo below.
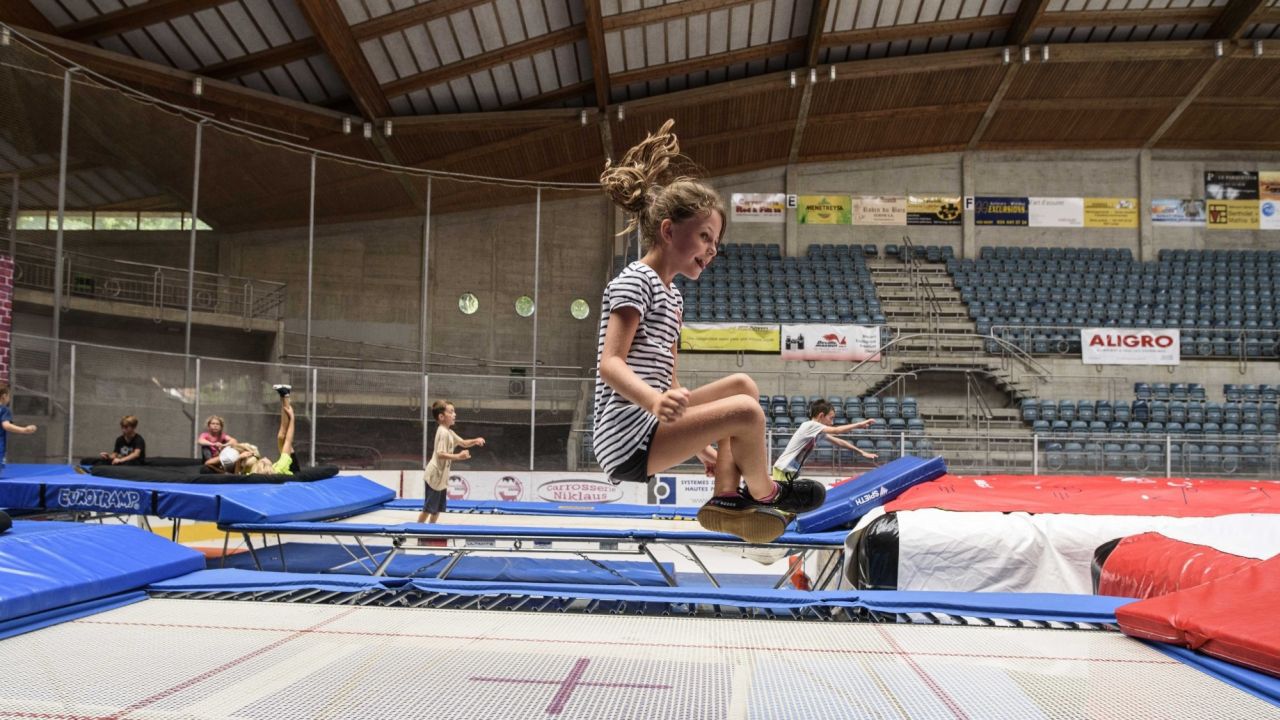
(933, 210)
(1231, 214)
(1111, 212)
(824, 210)
(720, 337)
(1269, 185)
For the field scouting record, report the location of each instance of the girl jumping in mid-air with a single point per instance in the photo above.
(645, 422)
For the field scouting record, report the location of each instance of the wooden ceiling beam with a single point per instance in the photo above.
(710, 62)
(813, 45)
(572, 90)
(670, 11)
(993, 107)
(1234, 18)
(912, 31)
(596, 49)
(481, 121)
(1127, 18)
(330, 27)
(420, 14)
(1025, 21)
(25, 15)
(484, 61)
(217, 93)
(1186, 102)
(264, 59)
(134, 17)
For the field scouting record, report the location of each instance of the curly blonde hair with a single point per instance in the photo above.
(649, 183)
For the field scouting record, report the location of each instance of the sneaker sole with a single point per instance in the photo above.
(756, 525)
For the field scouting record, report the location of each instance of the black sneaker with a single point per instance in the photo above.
(797, 496)
(284, 390)
(741, 516)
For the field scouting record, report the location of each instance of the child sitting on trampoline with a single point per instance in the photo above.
(246, 459)
(214, 438)
(645, 422)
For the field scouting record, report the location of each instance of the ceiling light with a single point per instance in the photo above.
(368, 131)
(582, 118)
(622, 113)
(386, 128)
(831, 73)
(791, 81)
(197, 87)
(1044, 53)
(346, 126)
(1218, 49)
(1006, 56)
(6, 36)
(1026, 54)
(813, 76)
(1257, 47)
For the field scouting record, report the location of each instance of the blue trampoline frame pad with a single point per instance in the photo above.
(284, 502)
(47, 566)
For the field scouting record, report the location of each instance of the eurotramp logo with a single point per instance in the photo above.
(100, 499)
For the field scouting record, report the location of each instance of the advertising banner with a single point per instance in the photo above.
(1129, 346)
(729, 337)
(1005, 211)
(1232, 214)
(759, 207)
(686, 490)
(1230, 185)
(586, 487)
(1110, 213)
(879, 210)
(1269, 185)
(824, 210)
(830, 342)
(1178, 211)
(1055, 212)
(1269, 214)
(933, 210)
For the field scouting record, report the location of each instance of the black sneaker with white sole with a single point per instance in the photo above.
(284, 390)
(741, 516)
(797, 496)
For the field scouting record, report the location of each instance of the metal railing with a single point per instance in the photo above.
(154, 286)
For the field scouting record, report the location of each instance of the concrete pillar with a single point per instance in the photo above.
(791, 237)
(968, 248)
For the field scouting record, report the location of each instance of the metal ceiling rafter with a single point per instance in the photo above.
(134, 17)
(1234, 18)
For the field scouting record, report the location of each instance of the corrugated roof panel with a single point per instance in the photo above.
(544, 65)
(401, 106)
(172, 46)
(718, 41)
(419, 102)
(80, 194)
(504, 81)
(379, 62)
(577, 13)
(189, 31)
(526, 77)
(244, 27)
(761, 23)
(465, 95)
(424, 53)
(739, 27)
(567, 63)
(114, 44)
(222, 37)
(865, 15)
(282, 82)
(485, 92)
(677, 40)
(443, 99)
(508, 13)
(143, 47)
(614, 52)
(558, 16)
(308, 84)
(353, 10)
(488, 27)
(583, 55)
(80, 9)
(464, 29)
(1264, 31)
(442, 40)
(697, 36)
(398, 51)
(535, 18)
(53, 12)
(254, 81)
(655, 44)
(928, 10)
(633, 44)
(271, 21)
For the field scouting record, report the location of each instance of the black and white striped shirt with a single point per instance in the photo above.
(622, 427)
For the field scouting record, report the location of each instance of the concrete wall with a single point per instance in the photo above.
(159, 247)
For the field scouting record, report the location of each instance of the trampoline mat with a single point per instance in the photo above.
(220, 659)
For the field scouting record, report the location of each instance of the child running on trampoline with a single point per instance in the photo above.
(246, 459)
(821, 415)
(436, 473)
(645, 422)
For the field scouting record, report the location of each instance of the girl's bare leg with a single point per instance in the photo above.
(736, 422)
(284, 436)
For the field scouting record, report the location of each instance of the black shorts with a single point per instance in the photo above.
(435, 501)
(636, 467)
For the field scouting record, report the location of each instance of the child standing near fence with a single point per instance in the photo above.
(645, 422)
(436, 473)
(7, 425)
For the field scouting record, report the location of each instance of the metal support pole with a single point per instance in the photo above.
(537, 310)
(1168, 456)
(425, 301)
(311, 246)
(195, 415)
(1035, 454)
(191, 251)
(315, 378)
(62, 210)
(13, 221)
(902, 445)
(71, 405)
(426, 415)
